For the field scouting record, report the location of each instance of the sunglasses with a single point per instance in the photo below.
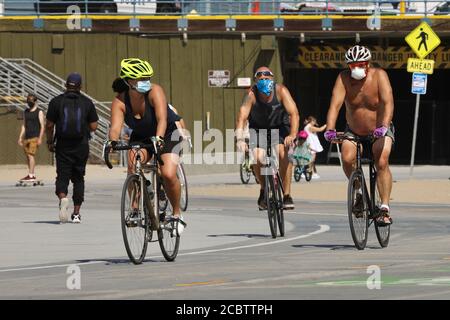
(358, 65)
(263, 73)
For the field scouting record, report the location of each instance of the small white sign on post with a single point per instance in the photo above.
(419, 83)
(218, 78)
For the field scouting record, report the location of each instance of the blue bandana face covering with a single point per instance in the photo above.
(143, 86)
(265, 86)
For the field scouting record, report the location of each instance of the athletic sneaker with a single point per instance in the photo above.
(288, 203)
(262, 204)
(384, 218)
(178, 223)
(76, 218)
(28, 178)
(63, 210)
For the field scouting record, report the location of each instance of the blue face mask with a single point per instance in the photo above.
(143, 86)
(265, 86)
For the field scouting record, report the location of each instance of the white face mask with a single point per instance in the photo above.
(358, 73)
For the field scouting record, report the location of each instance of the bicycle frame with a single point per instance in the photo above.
(139, 171)
(372, 176)
(271, 165)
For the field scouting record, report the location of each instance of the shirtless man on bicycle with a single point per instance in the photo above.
(369, 108)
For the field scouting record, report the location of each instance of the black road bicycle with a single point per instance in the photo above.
(364, 203)
(273, 191)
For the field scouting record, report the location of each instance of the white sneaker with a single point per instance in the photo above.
(180, 226)
(315, 176)
(76, 218)
(63, 210)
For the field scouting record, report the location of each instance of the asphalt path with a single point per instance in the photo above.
(226, 251)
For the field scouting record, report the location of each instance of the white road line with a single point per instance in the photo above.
(52, 266)
(323, 228)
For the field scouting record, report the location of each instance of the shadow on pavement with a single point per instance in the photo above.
(250, 236)
(118, 261)
(332, 246)
(47, 222)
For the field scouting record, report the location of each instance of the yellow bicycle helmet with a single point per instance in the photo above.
(134, 68)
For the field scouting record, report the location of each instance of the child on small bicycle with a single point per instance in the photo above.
(300, 155)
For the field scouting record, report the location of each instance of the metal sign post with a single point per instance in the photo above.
(413, 152)
(419, 86)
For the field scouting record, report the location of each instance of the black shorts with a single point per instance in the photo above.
(171, 143)
(390, 133)
(258, 137)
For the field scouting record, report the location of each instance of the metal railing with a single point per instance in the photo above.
(219, 7)
(18, 77)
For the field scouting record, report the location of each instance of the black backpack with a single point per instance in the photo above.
(72, 119)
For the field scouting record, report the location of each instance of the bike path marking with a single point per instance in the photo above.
(322, 229)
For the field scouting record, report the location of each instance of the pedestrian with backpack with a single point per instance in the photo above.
(74, 117)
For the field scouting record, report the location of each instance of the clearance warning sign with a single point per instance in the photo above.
(333, 57)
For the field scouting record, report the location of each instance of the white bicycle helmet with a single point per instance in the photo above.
(357, 54)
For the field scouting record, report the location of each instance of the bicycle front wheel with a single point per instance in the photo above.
(280, 212)
(134, 220)
(272, 205)
(358, 209)
(184, 187)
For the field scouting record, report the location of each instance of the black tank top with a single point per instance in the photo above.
(145, 127)
(32, 124)
(268, 115)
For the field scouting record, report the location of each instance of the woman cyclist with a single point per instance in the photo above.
(142, 105)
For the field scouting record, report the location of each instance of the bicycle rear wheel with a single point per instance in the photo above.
(162, 197)
(134, 220)
(308, 173)
(358, 209)
(271, 201)
(383, 231)
(184, 187)
(169, 241)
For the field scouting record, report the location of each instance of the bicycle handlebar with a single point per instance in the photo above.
(135, 146)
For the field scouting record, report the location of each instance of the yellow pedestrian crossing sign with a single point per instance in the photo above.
(423, 40)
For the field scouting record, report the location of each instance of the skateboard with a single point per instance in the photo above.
(34, 183)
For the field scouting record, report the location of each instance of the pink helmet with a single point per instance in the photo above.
(302, 134)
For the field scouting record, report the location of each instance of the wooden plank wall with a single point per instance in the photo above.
(182, 69)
